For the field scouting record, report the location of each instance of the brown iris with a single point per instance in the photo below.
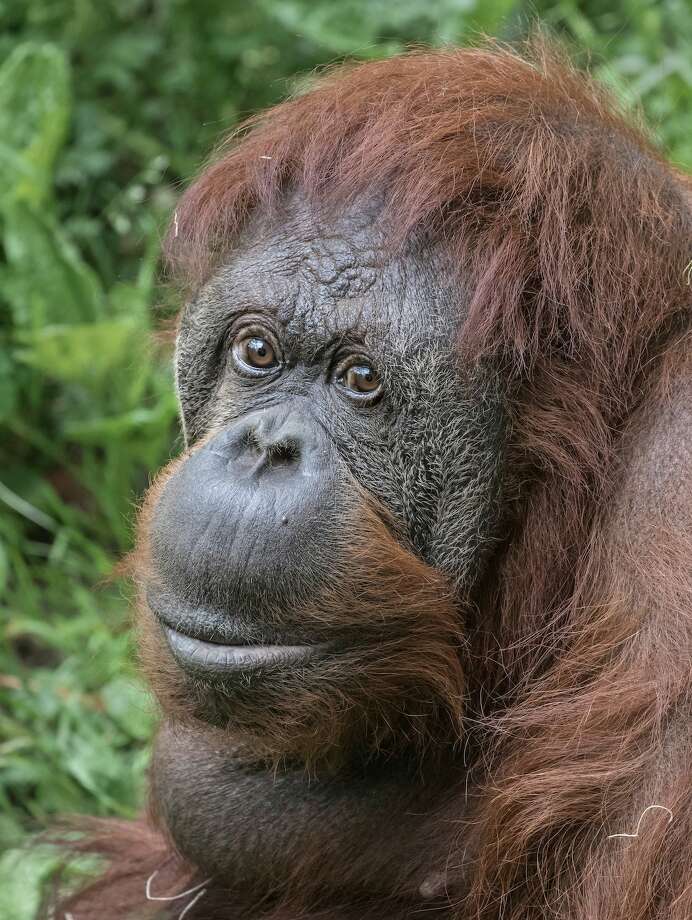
(361, 380)
(255, 352)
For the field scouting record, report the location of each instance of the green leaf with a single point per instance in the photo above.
(130, 706)
(86, 352)
(46, 280)
(105, 429)
(23, 873)
(489, 15)
(8, 387)
(4, 566)
(34, 114)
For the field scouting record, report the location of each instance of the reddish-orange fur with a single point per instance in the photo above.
(575, 236)
(415, 666)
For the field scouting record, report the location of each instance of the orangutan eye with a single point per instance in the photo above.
(360, 380)
(255, 354)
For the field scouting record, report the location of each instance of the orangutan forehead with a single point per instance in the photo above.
(339, 255)
(323, 273)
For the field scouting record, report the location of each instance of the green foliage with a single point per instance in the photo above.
(643, 51)
(30, 143)
(106, 107)
(86, 411)
(26, 873)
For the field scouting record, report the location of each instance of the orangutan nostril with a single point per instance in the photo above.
(283, 453)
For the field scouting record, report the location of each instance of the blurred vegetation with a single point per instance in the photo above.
(106, 108)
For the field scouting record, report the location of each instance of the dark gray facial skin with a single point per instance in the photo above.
(428, 452)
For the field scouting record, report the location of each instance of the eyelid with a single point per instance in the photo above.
(249, 324)
(343, 360)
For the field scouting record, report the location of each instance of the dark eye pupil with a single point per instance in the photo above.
(362, 379)
(258, 352)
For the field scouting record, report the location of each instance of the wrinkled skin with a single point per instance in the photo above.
(305, 518)
(428, 451)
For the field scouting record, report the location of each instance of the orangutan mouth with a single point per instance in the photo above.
(198, 656)
(207, 642)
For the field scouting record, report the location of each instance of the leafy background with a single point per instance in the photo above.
(106, 108)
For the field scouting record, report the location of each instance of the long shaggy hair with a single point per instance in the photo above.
(574, 237)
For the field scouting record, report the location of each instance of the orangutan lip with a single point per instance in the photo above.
(206, 624)
(197, 655)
